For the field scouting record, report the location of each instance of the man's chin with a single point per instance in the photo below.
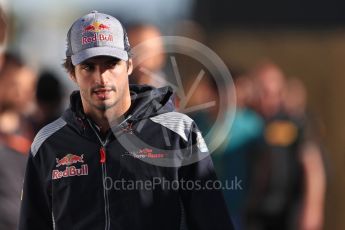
(105, 106)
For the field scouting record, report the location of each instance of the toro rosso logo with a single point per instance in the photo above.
(69, 159)
(145, 153)
(70, 169)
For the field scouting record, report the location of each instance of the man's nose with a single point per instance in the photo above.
(102, 75)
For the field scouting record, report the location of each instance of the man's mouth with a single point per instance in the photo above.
(103, 93)
(100, 90)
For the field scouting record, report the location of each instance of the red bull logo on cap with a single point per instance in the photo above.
(69, 159)
(95, 27)
(96, 37)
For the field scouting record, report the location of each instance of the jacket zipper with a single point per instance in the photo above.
(103, 158)
(103, 155)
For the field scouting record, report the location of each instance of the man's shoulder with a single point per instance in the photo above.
(177, 122)
(172, 117)
(45, 133)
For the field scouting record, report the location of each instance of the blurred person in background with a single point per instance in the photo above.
(17, 97)
(149, 60)
(269, 83)
(276, 187)
(236, 151)
(49, 98)
(281, 180)
(14, 144)
(231, 157)
(295, 104)
(20, 82)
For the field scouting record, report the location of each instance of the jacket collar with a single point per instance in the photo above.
(146, 101)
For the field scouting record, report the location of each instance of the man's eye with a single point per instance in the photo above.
(111, 64)
(86, 67)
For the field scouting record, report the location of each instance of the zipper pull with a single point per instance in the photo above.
(102, 154)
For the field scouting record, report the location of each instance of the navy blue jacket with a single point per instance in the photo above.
(148, 172)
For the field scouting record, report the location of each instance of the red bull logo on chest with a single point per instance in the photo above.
(69, 159)
(70, 170)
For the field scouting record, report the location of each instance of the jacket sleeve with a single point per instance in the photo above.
(204, 205)
(35, 208)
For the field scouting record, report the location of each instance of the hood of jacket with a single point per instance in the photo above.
(146, 102)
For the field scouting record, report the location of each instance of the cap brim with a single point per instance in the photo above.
(99, 51)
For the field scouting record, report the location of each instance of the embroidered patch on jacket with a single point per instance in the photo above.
(144, 153)
(71, 170)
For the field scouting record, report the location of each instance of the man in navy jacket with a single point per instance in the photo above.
(120, 157)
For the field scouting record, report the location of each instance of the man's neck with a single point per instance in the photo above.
(101, 121)
(104, 119)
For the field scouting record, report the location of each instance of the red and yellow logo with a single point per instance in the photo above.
(95, 27)
(70, 170)
(98, 34)
(69, 159)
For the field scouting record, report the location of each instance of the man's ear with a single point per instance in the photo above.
(72, 76)
(129, 66)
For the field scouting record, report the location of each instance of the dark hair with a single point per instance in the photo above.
(70, 68)
(68, 65)
(49, 89)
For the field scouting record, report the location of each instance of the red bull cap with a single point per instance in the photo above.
(97, 34)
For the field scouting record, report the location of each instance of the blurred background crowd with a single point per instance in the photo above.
(285, 145)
